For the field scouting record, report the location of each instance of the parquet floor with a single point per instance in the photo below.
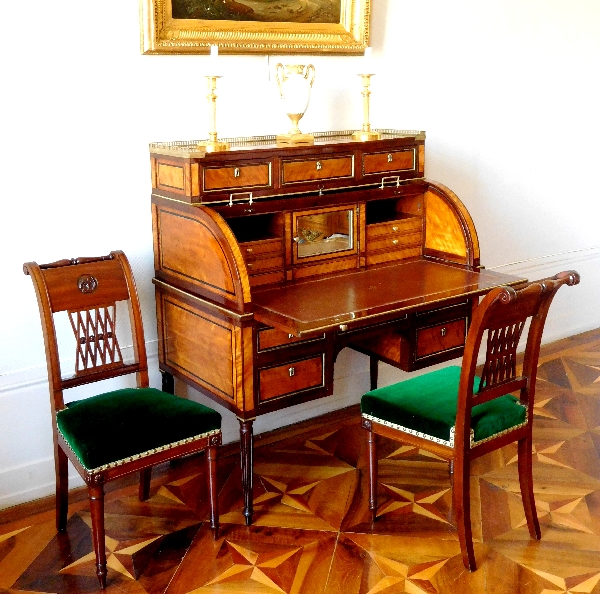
(312, 533)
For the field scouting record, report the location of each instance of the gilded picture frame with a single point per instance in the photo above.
(254, 26)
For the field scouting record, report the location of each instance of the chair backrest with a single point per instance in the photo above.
(503, 314)
(88, 289)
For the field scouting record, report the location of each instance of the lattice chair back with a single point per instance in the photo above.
(88, 290)
(503, 315)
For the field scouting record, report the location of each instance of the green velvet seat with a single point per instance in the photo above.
(427, 404)
(112, 427)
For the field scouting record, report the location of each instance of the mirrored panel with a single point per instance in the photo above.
(324, 233)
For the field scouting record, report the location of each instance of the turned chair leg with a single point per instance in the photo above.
(145, 477)
(62, 488)
(211, 461)
(96, 495)
(372, 462)
(462, 511)
(526, 482)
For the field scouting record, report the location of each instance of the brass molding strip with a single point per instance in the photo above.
(205, 302)
(191, 148)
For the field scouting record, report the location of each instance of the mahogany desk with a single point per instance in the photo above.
(270, 260)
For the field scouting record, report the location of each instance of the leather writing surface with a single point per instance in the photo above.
(326, 303)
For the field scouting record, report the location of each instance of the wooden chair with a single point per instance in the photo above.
(123, 431)
(459, 416)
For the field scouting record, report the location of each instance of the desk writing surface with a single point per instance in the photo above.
(325, 303)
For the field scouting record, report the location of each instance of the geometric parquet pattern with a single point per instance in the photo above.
(312, 532)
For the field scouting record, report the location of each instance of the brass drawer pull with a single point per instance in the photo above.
(443, 331)
(343, 327)
(391, 180)
(249, 250)
(394, 241)
(290, 336)
(250, 265)
(236, 172)
(390, 157)
(292, 371)
(395, 228)
(319, 165)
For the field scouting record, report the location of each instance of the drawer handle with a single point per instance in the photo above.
(249, 250)
(443, 331)
(290, 336)
(250, 265)
(395, 228)
(343, 327)
(292, 371)
(390, 157)
(392, 180)
(394, 241)
(236, 172)
(297, 239)
(319, 165)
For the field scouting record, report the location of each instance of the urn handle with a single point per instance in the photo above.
(310, 71)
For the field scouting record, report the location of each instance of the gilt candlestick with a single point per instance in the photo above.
(366, 133)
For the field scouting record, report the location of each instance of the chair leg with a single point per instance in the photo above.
(145, 477)
(526, 482)
(62, 487)
(211, 461)
(373, 371)
(96, 495)
(462, 511)
(372, 461)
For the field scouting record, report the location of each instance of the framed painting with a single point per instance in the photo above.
(255, 26)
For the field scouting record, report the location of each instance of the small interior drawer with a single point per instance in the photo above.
(290, 378)
(256, 249)
(261, 264)
(235, 177)
(385, 162)
(404, 225)
(315, 169)
(393, 242)
(441, 337)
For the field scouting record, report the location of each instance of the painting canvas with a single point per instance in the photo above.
(255, 26)
(268, 11)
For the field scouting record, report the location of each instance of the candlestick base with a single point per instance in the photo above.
(362, 136)
(214, 146)
(295, 139)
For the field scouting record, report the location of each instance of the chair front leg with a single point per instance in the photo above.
(211, 461)
(145, 477)
(96, 495)
(372, 461)
(62, 487)
(462, 511)
(526, 482)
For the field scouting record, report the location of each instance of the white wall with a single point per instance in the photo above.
(507, 91)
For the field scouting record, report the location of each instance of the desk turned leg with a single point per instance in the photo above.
(168, 382)
(246, 449)
(374, 369)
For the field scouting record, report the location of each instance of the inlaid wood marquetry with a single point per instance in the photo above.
(312, 532)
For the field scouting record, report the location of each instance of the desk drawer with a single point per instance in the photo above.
(258, 265)
(392, 242)
(398, 226)
(404, 160)
(256, 249)
(271, 338)
(442, 337)
(237, 177)
(315, 169)
(290, 378)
